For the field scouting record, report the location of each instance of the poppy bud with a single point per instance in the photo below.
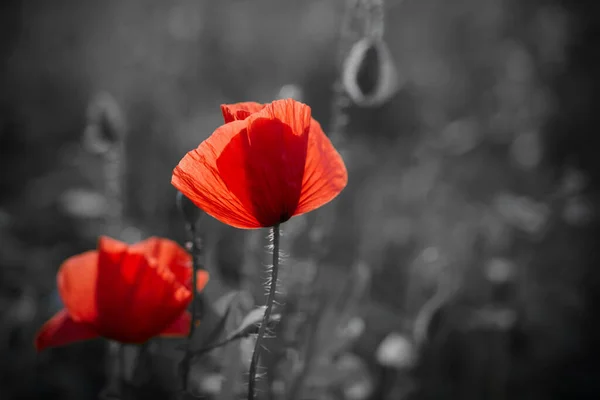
(105, 124)
(190, 212)
(368, 74)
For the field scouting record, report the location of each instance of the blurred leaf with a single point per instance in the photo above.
(230, 355)
(334, 330)
(333, 333)
(523, 213)
(214, 321)
(223, 303)
(355, 380)
(208, 383)
(348, 373)
(247, 327)
(251, 322)
(83, 203)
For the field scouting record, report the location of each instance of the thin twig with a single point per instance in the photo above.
(195, 253)
(267, 316)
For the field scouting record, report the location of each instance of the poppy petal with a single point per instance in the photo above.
(202, 278)
(264, 167)
(325, 174)
(116, 279)
(240, 111)
(289, 111)
(167, 253)
(138, 298)
(180, 327)
(170, 254)
(77, 283)
(61, 330)
(198, 177)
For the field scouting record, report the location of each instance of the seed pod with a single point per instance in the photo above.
(369, 75)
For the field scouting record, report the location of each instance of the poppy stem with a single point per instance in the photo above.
(195, 250)
(267, 316)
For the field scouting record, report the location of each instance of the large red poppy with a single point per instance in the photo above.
(266, 164)
(124, 293)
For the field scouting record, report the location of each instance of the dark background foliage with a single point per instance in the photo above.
(478, 178)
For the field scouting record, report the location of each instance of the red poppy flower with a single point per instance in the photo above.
(124, 293)
(267, 164)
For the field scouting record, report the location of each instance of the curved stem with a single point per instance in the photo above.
(267, 316)
(195, 268)
(191, 227)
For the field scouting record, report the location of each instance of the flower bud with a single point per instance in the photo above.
(105, 124)
(191, 213)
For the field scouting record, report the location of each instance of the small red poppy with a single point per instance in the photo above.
(125, 293)
(267, 164)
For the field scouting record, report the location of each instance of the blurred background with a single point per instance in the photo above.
(459, 263)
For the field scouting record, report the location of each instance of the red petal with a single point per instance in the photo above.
(61, 330)
(240, 111)
(180, 327)
(325, 174)
(199, 178)
(291, 112)
(262, 175)
(137, 297)
(77, 280)
(264, 167)
(202, 278)
(169, 254)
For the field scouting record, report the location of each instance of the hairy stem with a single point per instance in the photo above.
(267, 316)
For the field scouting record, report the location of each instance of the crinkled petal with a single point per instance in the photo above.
(240, 111)
(167, 253)
(170, 254)
(77, 284)
(62, 330)
(291, 112)
(137, 297)
(263, 167)
(261, 171)
(325, 174)
(198, 177)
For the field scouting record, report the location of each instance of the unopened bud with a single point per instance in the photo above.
(105, 124)
(191, 213)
